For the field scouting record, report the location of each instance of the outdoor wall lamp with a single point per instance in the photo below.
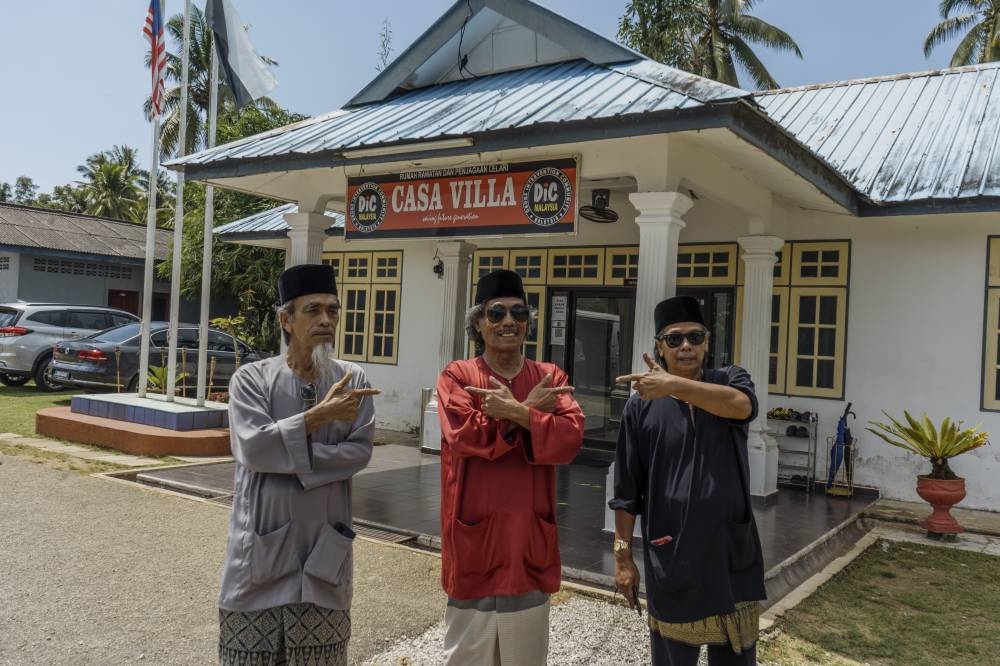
(438, 267)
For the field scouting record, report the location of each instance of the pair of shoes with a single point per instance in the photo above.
(797, 431)
(782, 414)
(806, 417)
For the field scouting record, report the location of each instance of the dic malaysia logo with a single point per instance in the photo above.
(368, 207)
(546, 197)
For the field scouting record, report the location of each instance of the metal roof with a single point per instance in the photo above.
(552, 94)
(906, 138)
(43, 229)
(270, 224)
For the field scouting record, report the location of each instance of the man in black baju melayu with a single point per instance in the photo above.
(681, 464)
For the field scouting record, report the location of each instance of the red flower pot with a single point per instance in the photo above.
(941, 494)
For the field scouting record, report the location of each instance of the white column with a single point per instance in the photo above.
(455, 257)
(660, 223)
(759, 257)
(307, 232)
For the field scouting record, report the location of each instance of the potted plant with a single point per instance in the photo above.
(942, 488)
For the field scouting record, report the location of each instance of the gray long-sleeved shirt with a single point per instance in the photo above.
(290, 490)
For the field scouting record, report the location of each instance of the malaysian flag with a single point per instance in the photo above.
(158, 52)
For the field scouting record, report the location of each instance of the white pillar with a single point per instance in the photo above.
(759, 257)
(307, 231)
(455, 258)
(660, 223)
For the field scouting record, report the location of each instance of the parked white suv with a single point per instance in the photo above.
(29, 330)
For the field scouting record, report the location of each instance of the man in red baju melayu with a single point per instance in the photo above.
(506, 421)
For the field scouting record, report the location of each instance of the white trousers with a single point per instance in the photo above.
(492, 638)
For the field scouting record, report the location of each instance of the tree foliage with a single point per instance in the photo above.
(704, 37)
(247, 274)
(25, 190)
(977, 21)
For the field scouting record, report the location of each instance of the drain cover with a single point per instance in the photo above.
(381, 535)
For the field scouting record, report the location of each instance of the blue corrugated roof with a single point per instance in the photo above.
(559, 93)
(923, 136)
(270, 223)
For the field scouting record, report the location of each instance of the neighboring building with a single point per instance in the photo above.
(843, 237)
(53, 256)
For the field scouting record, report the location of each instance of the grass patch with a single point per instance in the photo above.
(58, 460)
(18, 405)
(899, 604)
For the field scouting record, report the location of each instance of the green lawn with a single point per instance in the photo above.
(18, 405)
(900, 604)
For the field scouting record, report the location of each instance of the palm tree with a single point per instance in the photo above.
(199, 62)
(981, 25)
(112, 183)
(705, 37)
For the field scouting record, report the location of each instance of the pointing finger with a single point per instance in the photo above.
(546, 380)
(495, 382)
(478, 391)
(365, 391)
(649, 361)
(625, 379)
(343, 381)
(561, 389)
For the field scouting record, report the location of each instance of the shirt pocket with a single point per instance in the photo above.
(330, 559)
(272, 557)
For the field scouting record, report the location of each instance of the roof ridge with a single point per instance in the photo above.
(67, 213)
(884, 77)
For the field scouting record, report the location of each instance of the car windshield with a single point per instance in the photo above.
(116, 334)
(7, 316)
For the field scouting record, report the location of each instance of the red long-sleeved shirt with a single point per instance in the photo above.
(498, 527)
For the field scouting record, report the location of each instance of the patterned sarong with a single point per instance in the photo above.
(292, 635)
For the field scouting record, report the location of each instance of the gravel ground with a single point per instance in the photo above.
(582, 632)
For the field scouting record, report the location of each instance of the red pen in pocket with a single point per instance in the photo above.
(661, 541)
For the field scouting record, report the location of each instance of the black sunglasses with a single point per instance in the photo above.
(497, 312)
(674, 340)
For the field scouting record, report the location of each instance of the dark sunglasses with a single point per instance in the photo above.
(497, 312)
(675, 340)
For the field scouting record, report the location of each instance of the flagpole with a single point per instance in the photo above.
(175, 273)
(206, 257)
(147, 282)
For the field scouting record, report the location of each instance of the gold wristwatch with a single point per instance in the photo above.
(620, 545)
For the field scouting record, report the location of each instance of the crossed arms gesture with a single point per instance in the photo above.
(339, 404)
(499, 403)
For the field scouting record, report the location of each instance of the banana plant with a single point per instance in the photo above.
(157, 377)
(937, 443)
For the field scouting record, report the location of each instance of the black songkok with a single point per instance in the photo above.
(499, 284)
(677, 309)
(306, 279)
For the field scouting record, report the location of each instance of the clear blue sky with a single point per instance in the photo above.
(74, 81)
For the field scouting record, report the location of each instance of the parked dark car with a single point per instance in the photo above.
(110, 359)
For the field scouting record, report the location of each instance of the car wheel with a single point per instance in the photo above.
(41, 378)
(14, 380)
(133, 386)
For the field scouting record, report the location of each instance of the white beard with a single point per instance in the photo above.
(322, 354)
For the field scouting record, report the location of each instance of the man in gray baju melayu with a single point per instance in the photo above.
(301, 426)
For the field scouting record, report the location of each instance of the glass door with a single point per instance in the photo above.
(599, 349)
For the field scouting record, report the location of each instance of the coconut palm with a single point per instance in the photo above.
(705, 37)
(112, 183)
(980, 24)
(199, 62)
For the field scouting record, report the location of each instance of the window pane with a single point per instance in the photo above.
(808, 271)
(775, 308)
(827, 342)
(831, 256)
(807, 342)
(829, 271)
(684, 258)
(683, 271)
(701, 257)
(804, 372)
(720, 257)
(810, 256)
(828, 310)
(807, 309)
(824, 374)
(772, 370)
(774, 340)
(720, 271)
(701, 271)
